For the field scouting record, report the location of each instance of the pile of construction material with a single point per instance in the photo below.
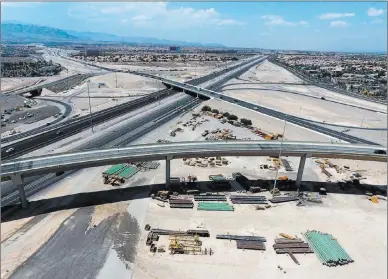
(185, 244)
(277, 198)
(291, 245)
(215, 206)
(146, 165)
(176, 202)
(161, 196)
(218, 134)
(152, 236)
(265, 135)
(310, 197)
(286, 164)
(327, 248)
(173, 132)
(206, 162)
(181, 242)
(118, 174)
(202, 233)
(246, 242)
(239, 199)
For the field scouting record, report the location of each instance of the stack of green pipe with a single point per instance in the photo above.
(114, 169)
(128, 172)
(327, 248)
(214, 206)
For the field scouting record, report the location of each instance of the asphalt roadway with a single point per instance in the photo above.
(299, 121)
(72, 126)
(123, 136)
(74, 251)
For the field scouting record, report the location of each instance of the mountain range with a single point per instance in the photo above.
(12, 32)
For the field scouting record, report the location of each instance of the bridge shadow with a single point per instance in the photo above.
(79, 200)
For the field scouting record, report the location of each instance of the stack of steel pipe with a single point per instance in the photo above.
(327, 248)
(166, 232)
(181, 203)
(241, 237)
(283, 199)
(203, 233)
(250, 245)
(294, 246)
(238, 199)
(220, 198)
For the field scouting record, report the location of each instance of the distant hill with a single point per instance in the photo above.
(12, 32)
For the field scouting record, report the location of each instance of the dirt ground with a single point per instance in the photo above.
(304, 101)
(353, 216)
(104, 93)
(177, 71)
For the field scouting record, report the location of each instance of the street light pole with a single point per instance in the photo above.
(90, 108)
(280, 154)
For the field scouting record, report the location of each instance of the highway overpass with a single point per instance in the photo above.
(198, 91)
(17, 169)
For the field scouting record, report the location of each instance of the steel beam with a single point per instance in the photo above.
(17, 181)
(301, 169)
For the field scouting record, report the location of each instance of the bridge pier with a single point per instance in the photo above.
(301, 169)
(17, 181)
(168, 172)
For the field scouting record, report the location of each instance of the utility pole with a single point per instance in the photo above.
(280, 154)
(90, 108)
(362, 122)
(116, 78)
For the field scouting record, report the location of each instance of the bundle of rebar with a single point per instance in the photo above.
(283, 199)
(327, 248)
(181, 203)
(241, 237)
(250, 245)
(214, 206)
(239, 199)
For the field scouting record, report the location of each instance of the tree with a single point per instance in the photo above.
(232, 117)
(226, 114)
(215, 111)
(206, 108)
(246, 122)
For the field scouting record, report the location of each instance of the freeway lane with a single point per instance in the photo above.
(74, 126)
(159, 94)
(299, 121)
(33, 143)
(93, 158)
(277, 114)
(124, 135)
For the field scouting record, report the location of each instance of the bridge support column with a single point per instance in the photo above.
(17, 181)
(168, 172)
(301, 169)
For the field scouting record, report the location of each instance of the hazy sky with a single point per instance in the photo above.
(333, 26)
